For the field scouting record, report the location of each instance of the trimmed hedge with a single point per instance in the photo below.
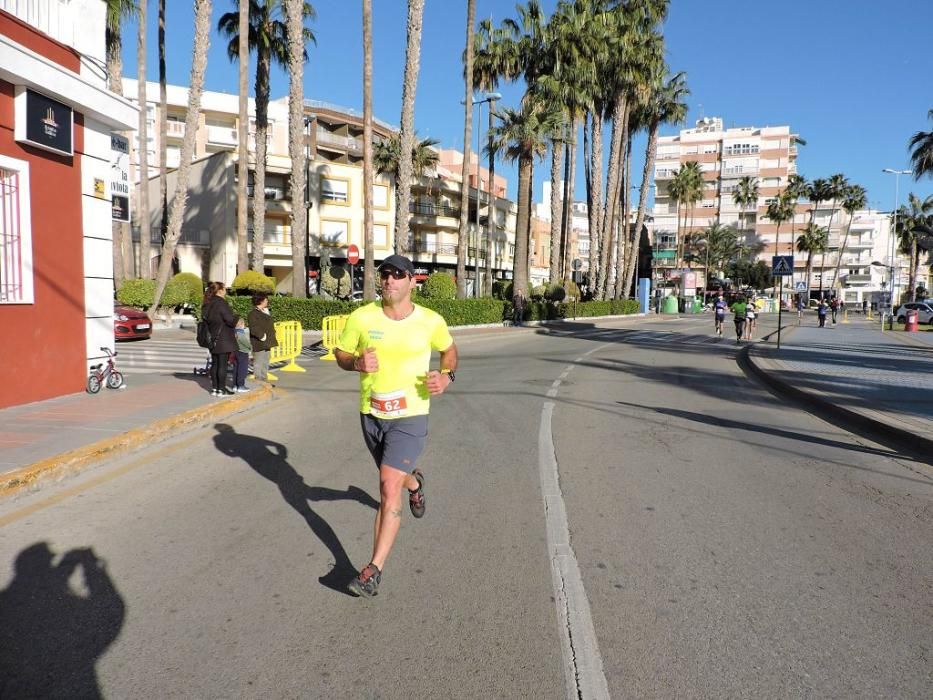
(457, 312)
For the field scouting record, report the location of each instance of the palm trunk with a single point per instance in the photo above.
(914, 264)
(595, 168)
(142, 211)
(369, 251)
(163, 133)
(522, 220)
(407, 133)
(491, 213)
(557, 210)
(242, 133)
(650, 151)
(809, 273)
(842, 250)
(263, 67)
(202, 27)
(463, 242)
(607, 234)
(632, 235)
(296, 147)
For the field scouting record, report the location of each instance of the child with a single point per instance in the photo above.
(243, 348)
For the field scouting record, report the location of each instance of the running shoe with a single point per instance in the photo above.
(366, 584)
(241, 389)
(416, 497)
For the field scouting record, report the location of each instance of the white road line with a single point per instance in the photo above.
(583, 666)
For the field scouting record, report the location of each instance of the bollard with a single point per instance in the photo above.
(845, 316)
(288, 335)
(332, 327)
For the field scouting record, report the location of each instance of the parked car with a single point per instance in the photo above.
(130, 323)
(924, 311)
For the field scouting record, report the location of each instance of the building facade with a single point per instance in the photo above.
(56, 262)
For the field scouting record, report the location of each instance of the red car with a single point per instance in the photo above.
(130, 323)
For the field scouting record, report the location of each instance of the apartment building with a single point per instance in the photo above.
(56, 163)
(579, 237)
(767, 154)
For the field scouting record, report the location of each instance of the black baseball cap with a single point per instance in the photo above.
(399, 262)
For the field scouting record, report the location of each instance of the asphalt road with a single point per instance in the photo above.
(719, 543)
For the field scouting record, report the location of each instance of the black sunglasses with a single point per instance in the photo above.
(392, 272)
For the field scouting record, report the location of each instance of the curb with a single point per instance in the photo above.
(898, 439)
(73, 461)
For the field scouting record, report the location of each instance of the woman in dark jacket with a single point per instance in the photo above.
(261, 335)
(221, 320)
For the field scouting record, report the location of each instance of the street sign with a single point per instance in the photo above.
(801, 286)
(782, 265)
(353, 254)
(576, 264)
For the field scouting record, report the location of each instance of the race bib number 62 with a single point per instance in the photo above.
(390, 404)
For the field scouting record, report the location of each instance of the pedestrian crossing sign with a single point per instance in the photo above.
(782, 265)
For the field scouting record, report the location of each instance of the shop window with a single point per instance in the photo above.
(16, 278)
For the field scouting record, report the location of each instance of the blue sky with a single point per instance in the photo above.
(852, 77)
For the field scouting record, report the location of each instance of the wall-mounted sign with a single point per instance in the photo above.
(100, 188)
(43, 122)
(120, 177)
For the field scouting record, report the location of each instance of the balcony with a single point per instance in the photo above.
(175, 130)
(344, 142)
(433, 248)
(739, 171)
(427, 209)
(273, 194)
(857, 279)
(222, 136)
(737, 151)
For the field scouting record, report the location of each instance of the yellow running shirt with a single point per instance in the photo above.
(403, 349)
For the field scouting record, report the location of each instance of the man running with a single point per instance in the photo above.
(719, 309)
(389, 343)
(739, 308)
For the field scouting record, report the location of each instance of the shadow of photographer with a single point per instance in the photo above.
(56, 621)
(269, 459)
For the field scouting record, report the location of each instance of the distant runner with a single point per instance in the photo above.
(740, 309)
(719, 309)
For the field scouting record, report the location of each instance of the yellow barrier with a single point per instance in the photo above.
(845, 316)
(288, 335)
(332, 327)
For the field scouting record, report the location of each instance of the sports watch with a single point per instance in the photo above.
(450, 373)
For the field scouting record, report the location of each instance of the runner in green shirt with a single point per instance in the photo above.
(740, 309)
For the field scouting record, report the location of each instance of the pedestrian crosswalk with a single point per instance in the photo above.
(180, 356)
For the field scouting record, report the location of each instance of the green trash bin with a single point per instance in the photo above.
(669, 305)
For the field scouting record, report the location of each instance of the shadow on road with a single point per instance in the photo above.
(269, 459)
(56, 620)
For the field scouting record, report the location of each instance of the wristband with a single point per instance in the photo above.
(450, 374)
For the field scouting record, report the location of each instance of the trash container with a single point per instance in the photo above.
(911, 322)
(669, 305)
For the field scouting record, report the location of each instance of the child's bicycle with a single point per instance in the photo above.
(104, 372)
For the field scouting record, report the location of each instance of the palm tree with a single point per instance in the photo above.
(297, 55)
(813, 240)
(796, 188)
(407, 133)
(745, 194)
(686, 189)
(665, 105)
(202, 27)
(142, 215)
(817, 191)
(855, 198)
(464, 237)
(163, 130)
(268, 38)
(423, 156)
(243, 134)
(523, 136)
(369, 250)
(780, 209)
(918, 212)
(116, 12)
(921, 156)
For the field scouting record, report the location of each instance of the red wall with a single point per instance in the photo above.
(44, 342)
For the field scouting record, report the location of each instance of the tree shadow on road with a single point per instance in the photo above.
(56, 621)
(269, 459)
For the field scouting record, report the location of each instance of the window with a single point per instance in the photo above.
(380, 236)
(335, 191)
(334, 232)
(380, 196)
(16, 283)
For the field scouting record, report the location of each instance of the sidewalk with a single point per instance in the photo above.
(875, 383)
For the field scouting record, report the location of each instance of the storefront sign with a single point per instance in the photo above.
(43, 122)
(120, 177)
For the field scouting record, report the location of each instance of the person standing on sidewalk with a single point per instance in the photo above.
(821, 313)
(390, 343)
(834, 308)
(243, 348)
(261, 335)
(518, 307)
(221, 321)
(740, 309)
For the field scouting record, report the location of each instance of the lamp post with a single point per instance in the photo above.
(897, 175)
(489, 98)
(890, 269)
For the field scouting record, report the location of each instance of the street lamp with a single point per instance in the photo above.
(897, 174)
(489, 98)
